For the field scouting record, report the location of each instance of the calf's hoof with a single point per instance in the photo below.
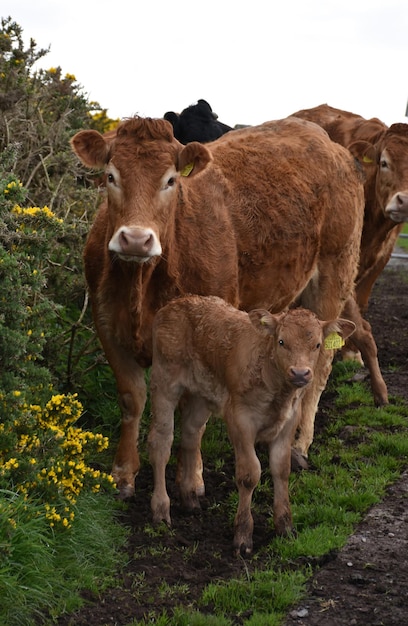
(298, 461)
(190, 503)
(161, 514)
(284, 525)
(244, 549)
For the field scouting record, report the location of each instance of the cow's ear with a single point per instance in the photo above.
(336, 331)
(91, 148)
(264, 321)
(363, 151)
(193, 158)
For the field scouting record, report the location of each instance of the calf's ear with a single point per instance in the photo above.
(91, 148)
(193, 158)
(264, 321)
(342, 327)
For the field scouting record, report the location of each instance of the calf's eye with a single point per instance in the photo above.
(318, 346)
(281, 342)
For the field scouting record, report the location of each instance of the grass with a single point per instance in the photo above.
(42, 573)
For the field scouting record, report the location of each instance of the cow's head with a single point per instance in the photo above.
(298, 338)
(144, 168)
(386, 167)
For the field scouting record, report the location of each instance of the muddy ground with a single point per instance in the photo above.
(366, 583)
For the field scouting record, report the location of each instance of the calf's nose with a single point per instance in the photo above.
(300, 376)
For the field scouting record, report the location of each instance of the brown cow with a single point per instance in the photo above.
(261, 217)
(383, 153)
(251, 368)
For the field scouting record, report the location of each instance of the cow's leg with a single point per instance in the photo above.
(247, 477)
(132, 398)
(164, 399)
(310, 403)
(280, 465)
(363, 339)
(194, 416)
(325, 294)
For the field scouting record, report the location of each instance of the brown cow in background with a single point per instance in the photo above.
(383, 154)
(263, 217)
(253, 369)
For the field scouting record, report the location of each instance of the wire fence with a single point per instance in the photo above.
(401, 255)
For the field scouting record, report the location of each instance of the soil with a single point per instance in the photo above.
(366, 583)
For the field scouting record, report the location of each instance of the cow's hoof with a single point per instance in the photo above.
(125, 490)
(298, 461)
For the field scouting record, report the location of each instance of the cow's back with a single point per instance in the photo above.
(343, 127)
(293, 189)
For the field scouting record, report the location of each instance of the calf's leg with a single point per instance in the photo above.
(280, 466)
(247, 476)
(164, 399)
(194, 416)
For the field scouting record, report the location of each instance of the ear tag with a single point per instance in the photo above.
(187, 169)
(367, 159)
(333, 342)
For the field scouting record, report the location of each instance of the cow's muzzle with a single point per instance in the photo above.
(135, 243)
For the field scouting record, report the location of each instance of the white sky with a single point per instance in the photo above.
(252, 61)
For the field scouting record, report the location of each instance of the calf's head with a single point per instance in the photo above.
(144, 166)
(298, 336)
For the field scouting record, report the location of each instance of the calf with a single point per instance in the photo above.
(253, 369)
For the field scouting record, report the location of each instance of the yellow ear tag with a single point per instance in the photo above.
(187, 169)
(333, 342)
(367, 159)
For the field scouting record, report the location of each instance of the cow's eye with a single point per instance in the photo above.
(171, 181)
(383, 164)
(281, 342)
(111, 179)
(318, 346)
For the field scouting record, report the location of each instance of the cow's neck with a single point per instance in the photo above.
(150, 288)
(377, 229)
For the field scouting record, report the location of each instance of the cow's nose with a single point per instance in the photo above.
(402, 199)
(135, 242)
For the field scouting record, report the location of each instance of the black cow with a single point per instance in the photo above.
(198, 122)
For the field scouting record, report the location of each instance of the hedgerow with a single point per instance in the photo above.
(52, 468)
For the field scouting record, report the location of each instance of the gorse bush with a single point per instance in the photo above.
(40, 110)
(41, 450)
(45, 456)
(51, 472)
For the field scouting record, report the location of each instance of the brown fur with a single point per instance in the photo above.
(268, 216)
(370, 141)
(253, 369)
